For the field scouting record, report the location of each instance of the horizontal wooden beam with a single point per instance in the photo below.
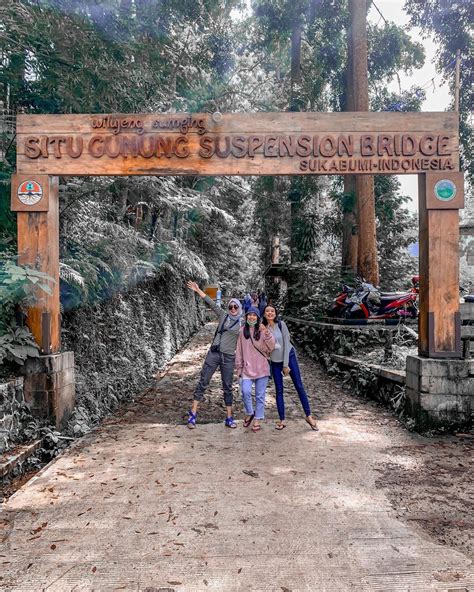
(238, 144)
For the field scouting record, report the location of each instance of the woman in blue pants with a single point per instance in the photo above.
(284, 362)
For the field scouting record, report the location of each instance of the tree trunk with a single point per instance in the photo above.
(350, 237)
(294, 194)
(367, 263)
(295, 97)
(349, 206)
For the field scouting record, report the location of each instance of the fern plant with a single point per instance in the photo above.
(17, 344)
(18, 285)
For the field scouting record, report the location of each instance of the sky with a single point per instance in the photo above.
(437, 95)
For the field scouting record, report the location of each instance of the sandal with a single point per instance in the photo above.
(280, 425)
(230, 423)
(313, 426)
(248, 421)
(191, 420)
(256, 428)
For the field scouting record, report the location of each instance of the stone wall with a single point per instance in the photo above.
(322, 339)
(12, 413)
(121, 343)
(440, 393)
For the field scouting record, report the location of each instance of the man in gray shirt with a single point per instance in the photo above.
(221, 355)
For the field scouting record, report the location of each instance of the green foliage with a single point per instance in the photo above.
(323, 57)
(391, 50)
(271, 214)
(63, 56)
(397, 229)
(450, 24)
(116, 233)
(17, 286)
(16, 345)
(324, 51)
(408, 100)
(7, 217)
(88, 57)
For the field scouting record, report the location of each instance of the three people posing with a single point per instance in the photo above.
(256, 350)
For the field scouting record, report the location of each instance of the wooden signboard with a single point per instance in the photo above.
(238, 144)
(426, 144)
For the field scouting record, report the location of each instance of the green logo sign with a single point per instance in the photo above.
(445, 190)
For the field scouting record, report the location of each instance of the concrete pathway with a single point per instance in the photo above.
(143, 505)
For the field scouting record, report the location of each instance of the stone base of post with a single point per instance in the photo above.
(49, 387)
(440, 392)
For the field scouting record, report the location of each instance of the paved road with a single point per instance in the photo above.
(143, 503)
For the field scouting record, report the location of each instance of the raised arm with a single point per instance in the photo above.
(195, 288)
(209, 301)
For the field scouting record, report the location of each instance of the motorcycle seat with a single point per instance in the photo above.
(392, 295)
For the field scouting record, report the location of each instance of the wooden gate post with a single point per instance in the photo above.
(441, 195)
(36, 201)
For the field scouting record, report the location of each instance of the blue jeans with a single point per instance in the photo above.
(277, 373)
(260, 392)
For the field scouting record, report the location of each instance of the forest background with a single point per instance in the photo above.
(143, 236)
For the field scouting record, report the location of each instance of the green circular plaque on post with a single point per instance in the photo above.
(445, 190)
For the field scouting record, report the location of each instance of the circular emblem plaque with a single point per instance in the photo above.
(30, 193)
(445, 190)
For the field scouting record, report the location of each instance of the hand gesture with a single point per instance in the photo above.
(195, 288)
(286, 371)
(192, 286)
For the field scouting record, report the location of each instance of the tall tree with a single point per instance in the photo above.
(367, 262)
(450, 24)
(350, 239)
(89, 56)
(294, 194)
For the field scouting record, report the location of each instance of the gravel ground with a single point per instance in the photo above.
(429, 481)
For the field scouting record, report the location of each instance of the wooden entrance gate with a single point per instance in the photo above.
(426, 144)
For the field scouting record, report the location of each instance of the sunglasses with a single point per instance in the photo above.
(233, 307)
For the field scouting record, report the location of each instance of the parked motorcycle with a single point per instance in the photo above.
(367, 302)
(340, 303)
